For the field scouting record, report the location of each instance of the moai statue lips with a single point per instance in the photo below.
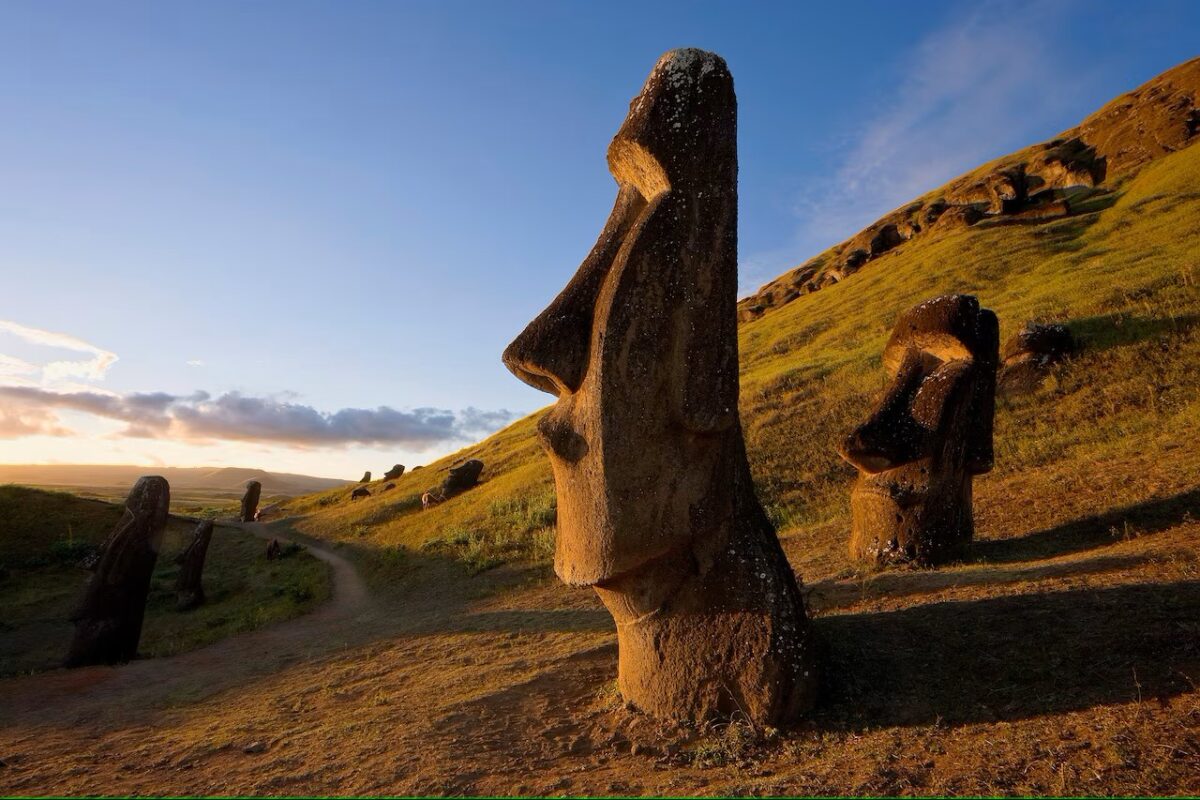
(656, 507)
(929, 433)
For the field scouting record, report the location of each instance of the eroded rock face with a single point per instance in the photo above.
(250, 501)
(394, 473)
(189, 588)
(656, 507)
(928, 435)
(463, 475)
(108, 620)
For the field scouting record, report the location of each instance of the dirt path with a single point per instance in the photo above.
(94, 692)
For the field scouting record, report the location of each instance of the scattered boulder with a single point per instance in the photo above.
(394, 473)
(656, 506)
(366, 478)
(389, 487)
(463, 475)
(927, 436)
(108, 619)
(361, 491)
(1028, 355)
(189, 590)
(250, 501)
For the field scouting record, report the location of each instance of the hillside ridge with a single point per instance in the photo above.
(1044, 181)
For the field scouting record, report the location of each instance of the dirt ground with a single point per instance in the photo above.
(1062, 659)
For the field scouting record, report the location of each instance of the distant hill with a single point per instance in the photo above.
(209, 479)
(1062, 177)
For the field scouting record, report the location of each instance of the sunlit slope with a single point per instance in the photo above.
(1121, 274)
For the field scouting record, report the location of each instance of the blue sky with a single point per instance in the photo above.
(232, 233)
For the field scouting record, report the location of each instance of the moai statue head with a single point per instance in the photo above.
(108, 620)
(250, 500)
(656, 508)
(928, 435)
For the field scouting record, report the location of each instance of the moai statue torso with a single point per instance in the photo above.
(927, 437)
(656, 507)
(108, 620)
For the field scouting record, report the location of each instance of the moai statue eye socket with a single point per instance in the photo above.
(655, 504)
(927, 436)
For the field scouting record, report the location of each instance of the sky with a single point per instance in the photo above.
(297, 235)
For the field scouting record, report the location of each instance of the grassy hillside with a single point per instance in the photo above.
(1122, 274)
(44, 534)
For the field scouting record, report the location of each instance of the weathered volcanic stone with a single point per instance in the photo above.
(394, 473)
(189, 590)
(1028, 356)
(366, 478)
(250, 501)
(463, 475)
(927, 436)
(656, 507)
(108, 620)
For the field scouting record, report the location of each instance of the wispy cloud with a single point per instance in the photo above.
(988, 82)
(92, 368)
(195, 362)
(29, 410)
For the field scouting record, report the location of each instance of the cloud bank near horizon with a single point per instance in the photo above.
(200, 417)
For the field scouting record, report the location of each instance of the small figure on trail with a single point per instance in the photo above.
(274, 551)
(430, 499)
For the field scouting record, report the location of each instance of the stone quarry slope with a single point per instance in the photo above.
(1048, 180)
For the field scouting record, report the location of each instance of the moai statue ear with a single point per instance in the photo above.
(980, 453)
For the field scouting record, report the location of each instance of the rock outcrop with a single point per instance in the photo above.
(656, 507)
(1028, 356)
(108, 620)
(1158, 118)
(189, 587)
(927, 436)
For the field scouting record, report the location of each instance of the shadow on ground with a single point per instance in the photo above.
(1011, 657)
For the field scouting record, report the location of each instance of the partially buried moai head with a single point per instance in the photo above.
(656, 507)
(641, 346)
(927, 436)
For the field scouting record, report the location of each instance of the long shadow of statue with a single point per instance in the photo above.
(1012, 657)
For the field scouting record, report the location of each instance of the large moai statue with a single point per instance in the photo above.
(250, 501)
(108, 620)
(927, 436)
(189, 588)
(394, 473)
(656, 507)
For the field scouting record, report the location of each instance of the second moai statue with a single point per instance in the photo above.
(927, 436)
(656, 506)
(250, 501)
(108, 620)
(189, 587)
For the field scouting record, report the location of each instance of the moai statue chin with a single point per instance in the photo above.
(656, 508)
(927, 436)
(108, 620)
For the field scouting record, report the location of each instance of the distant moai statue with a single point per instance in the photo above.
(656, 506)
(394, 473)
(108, 619)
(463, 475)
(250, 501)
(927, 436)
(189, 589)
(366, 478)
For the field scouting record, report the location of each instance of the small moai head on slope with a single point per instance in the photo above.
(927, 436)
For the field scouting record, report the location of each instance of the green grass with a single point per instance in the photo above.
(44, 534)
(1124, 276)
